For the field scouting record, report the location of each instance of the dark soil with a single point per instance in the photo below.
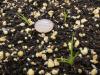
(91, 40)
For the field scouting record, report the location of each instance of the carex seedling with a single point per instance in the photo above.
(65, 15)
(72, 54)
(25, 19)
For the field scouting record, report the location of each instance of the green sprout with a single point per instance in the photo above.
(25, 19)
(72, 55)
(65, 15)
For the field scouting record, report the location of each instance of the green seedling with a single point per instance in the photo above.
(72, 55)
(65, 15)
(25, 19)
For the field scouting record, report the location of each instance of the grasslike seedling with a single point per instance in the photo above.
(65, 15)
(25, 19)
(72, 54)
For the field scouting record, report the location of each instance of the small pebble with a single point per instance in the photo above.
(84, 51)
(36, 14)
(35, 3)
(30, 1)
(2, 39)
(19, 10)
(93, 52)
(53, 36)
(30, 72)
(77, 43)
(79, 71)
(44, 57)
(50, 13)
(82, 25)
(78, 22)
(82, 34)
(39, 54)
(30, 22)
(20, 53)
(97, 15)
(94, 60)
(7, 54)
(96, 11)
(49, 50)
(97, 25)
(55, 71)
(46, 38)
(41, 72)
(4, 23)
(22, 24)
(65, 44)
(5, 31)
(27, 30)
(56, 62)
(95, 56)
(1, 55)
(48, 73)
(50, 63)
(83, 20)
(33, 63)
(45, 4)
(94, 72)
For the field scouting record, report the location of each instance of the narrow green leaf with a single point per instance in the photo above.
(76, 54)
(62, 59)
(65, 15)
(23, 18)
(71, 45)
